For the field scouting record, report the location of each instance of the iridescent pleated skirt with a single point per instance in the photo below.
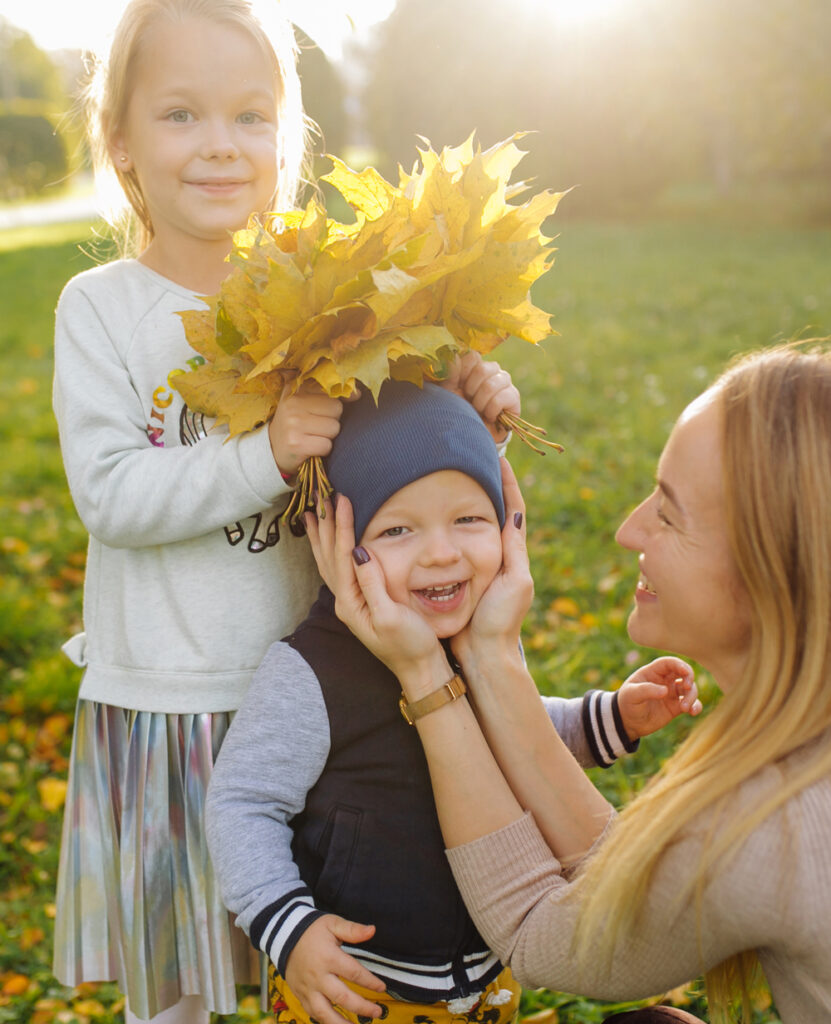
(137, 900)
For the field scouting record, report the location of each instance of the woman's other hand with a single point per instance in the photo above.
(497, 620)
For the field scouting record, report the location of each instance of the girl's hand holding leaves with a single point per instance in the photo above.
(488, 388)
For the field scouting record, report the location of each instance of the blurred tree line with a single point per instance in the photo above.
(704, 101)
(724, 95)
(33, 95)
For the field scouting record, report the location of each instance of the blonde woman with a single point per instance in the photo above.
(722, 863)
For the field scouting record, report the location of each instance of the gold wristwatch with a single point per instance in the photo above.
(446, 694)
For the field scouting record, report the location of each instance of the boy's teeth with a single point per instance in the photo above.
(441, 593)
(644, 582)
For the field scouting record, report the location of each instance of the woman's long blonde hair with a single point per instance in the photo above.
(106, 98)
(777, 481)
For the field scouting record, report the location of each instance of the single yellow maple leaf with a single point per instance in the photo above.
(52, 793)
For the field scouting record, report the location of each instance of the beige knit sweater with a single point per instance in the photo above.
(774, 895)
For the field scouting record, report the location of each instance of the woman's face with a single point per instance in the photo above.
(689, 598)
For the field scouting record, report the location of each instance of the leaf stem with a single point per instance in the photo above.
(527, 432)
(313, 488)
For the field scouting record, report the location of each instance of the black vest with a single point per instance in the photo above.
(368, 842)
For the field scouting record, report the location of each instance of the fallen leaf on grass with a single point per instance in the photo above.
(46, 1010)
(33, 846)
(249, 1008)
(14, 546)
(52, 793)
(89, 1008)
(15, 985)
(85, 990)
(565, 606)
(31, 937)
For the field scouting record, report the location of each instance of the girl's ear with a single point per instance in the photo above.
(118, 153)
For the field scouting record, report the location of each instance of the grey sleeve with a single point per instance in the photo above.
(591, 727)
(128, 492)
(273, 754)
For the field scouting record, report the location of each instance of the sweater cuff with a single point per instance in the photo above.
(259, 467)
(604, 729)
(277, 929)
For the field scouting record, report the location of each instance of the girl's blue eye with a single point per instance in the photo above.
(395, 531)
(179, 116)
(250, 117)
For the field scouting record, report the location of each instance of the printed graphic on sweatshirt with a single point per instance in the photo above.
(261, 533)
(162, 398)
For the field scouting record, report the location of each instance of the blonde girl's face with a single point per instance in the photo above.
(439, 544)
(689, 598)
(200, 131)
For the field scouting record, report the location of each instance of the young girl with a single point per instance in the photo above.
(190, 574)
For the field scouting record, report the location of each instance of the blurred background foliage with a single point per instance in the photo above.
(661, 102)
(681, 108)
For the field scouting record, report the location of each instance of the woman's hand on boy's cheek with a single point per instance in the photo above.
(497, 619)
(321, 534)
(656, 694)
(393, 632)
(487, 387)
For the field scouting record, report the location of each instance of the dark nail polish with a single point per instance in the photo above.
(361, 555)
(518, 520)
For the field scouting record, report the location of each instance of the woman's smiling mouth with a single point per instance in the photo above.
(644, 587)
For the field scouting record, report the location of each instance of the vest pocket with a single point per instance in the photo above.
(337, 847)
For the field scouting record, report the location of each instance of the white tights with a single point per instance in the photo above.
(189, 1010)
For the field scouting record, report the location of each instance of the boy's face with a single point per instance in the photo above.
(440, 546)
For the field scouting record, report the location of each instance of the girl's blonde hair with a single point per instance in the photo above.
(107, 96)
(777, 482)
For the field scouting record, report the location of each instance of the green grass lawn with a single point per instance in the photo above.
(647, 315)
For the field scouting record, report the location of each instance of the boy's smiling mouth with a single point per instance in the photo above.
(440, 595)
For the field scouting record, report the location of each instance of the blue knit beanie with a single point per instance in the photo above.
(411, 433)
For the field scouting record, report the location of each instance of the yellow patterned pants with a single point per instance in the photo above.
(497, 1004)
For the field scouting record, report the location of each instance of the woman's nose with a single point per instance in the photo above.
(630, 533)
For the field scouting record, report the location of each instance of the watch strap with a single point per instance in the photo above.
(452, 690)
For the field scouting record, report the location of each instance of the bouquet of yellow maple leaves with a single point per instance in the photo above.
(435, 267)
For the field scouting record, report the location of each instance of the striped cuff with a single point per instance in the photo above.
(277, 929)
(604, 729)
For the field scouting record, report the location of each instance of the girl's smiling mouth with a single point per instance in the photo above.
(218, 186)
